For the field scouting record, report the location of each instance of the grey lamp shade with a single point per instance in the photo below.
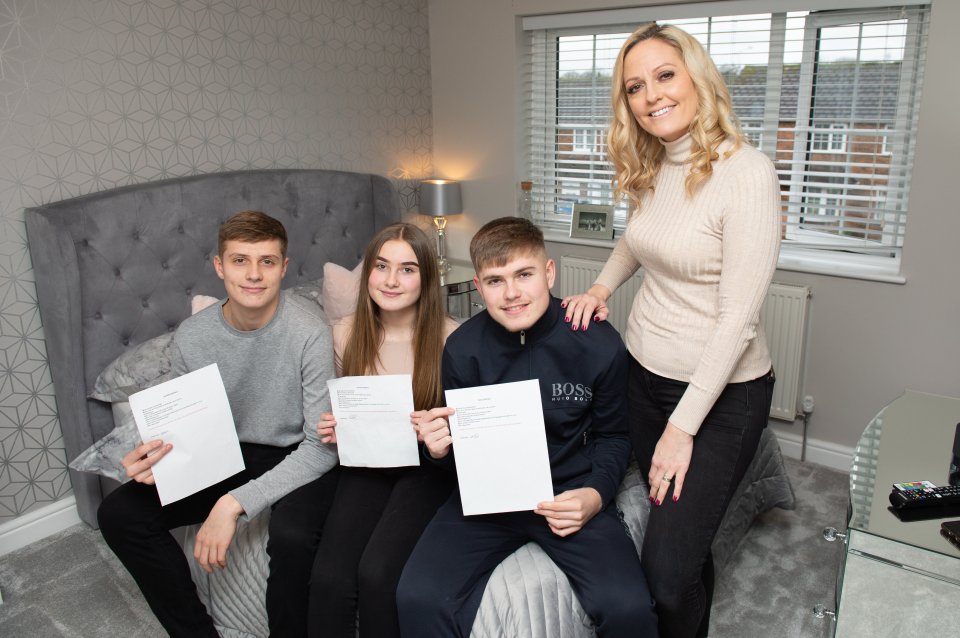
(440, 197)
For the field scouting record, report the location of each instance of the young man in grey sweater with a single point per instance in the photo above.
(274, 355)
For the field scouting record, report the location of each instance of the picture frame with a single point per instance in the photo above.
(592, 221)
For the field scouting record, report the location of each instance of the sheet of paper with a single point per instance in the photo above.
(193, 413)
(373, 420)
(500, 447)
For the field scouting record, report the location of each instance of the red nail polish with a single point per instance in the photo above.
(567, 319)
(651, 499)
(596, 318)
(574, 327)
(675, 498)
(658, 502)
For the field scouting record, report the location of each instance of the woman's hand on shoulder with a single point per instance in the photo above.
(671, 460)
(586, 306)
(327, 428)
(433, 430)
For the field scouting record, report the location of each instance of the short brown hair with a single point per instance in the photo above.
(499, 240)
(251, 226)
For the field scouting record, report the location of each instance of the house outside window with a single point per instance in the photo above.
(831, 96)
(831, 141)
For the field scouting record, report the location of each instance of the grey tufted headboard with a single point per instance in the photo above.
(118, 267)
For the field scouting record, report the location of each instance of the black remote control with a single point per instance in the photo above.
(923, 494)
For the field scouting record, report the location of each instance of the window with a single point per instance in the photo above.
(830, 95)
(831, 140)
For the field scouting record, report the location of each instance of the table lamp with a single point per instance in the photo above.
(440, 198)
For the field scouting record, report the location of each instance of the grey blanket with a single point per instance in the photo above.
(527, 595)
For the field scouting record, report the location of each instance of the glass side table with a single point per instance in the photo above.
(899, 578)
(463, 300)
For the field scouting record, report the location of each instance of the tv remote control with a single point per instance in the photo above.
(923, 494)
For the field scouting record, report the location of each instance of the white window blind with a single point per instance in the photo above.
(831, 96)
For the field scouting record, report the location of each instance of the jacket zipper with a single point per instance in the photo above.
(523, 338)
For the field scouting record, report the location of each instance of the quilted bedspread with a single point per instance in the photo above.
(527, 595)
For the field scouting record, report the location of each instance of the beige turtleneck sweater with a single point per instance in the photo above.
(708, 260)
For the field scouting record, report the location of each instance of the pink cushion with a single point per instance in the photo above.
(340, 289)
(199, 302)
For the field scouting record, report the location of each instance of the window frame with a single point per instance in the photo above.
(832, 254)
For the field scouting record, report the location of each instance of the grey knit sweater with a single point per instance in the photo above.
(276, 381)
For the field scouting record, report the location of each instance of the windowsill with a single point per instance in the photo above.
(849, 266)
(563, 237)
(793, 259)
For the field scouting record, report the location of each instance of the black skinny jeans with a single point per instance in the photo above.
(137, 529)
(376, 519)
(676, 547)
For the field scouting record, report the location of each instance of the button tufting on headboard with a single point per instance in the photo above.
(144, 250)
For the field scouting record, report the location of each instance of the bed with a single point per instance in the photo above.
(118, 269)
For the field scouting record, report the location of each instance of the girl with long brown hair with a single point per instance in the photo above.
(378, 514)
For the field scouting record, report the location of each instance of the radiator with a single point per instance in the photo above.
(784, 316)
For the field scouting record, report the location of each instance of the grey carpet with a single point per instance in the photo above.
(783, 567)
(71, 585)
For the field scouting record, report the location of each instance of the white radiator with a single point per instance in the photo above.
(784, 316)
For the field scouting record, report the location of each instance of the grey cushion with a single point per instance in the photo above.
(104, 457)
(136, 369)
(312, 290)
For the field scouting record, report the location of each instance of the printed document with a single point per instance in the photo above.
(373, 420)
(192, 413)
(500, 447)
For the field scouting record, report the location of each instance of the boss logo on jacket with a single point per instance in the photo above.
(570, 392)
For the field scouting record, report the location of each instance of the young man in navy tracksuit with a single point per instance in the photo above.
(583, 387)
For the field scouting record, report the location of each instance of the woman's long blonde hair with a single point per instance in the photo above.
(636, 155)
(362, 350)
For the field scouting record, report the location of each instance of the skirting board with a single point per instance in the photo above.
(832, 455)
(38, 524)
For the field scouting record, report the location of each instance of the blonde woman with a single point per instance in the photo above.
(705, 226)
(378, 514)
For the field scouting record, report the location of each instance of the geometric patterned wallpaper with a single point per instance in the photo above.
(96, 94)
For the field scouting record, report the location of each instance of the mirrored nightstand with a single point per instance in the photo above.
(463, 300)
(899, 578)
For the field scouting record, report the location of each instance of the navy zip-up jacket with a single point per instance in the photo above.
(583, 388)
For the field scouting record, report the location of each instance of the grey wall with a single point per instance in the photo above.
(867, 342)
(100, 93)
